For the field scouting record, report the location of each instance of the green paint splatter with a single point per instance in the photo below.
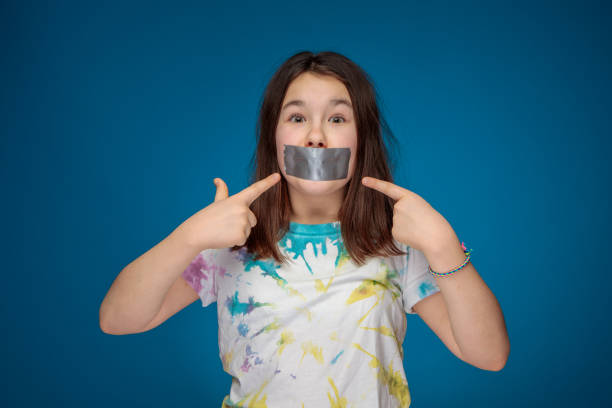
(267, 328)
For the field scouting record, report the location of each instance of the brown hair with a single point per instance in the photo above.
(366, 215)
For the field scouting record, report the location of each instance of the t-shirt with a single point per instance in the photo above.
(318, 330)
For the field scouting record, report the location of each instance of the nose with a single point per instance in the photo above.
(316, 138)
(318, 143)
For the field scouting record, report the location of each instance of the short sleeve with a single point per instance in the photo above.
(202, 274)
(415, 279)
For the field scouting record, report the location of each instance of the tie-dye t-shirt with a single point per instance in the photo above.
(316, 331)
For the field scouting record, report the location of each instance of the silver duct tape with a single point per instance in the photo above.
(317, 163)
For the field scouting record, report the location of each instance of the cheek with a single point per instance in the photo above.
(284, 136)
(352, 144)
(281, 163)
(352, 162)
(348, 139)
(281, 141)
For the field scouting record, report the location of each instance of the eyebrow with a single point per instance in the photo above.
(332, 102)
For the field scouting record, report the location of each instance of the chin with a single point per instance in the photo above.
(316, 187)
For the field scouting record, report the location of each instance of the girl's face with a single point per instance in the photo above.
(316, 112)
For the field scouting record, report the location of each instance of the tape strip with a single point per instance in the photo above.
(317, 163)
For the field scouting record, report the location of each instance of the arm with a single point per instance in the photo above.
(475, 318)
(432, 311)
(469, 314)
(136, 296)
(137, 299)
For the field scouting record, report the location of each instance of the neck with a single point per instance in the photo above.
(315, 209)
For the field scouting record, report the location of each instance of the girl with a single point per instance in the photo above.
(315, 265)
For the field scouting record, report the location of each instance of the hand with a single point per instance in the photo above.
(415, 222)
(228, 220)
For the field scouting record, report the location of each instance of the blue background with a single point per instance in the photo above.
(116, 117)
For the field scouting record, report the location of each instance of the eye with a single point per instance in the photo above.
(338, 117)
(295, 115)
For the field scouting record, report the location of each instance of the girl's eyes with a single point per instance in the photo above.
(294, 116)
(301, 118)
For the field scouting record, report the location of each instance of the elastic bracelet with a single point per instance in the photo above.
(467, 259)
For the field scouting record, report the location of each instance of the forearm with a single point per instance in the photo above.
(138, 292)
(475, 315)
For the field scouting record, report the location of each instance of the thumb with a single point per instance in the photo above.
(222, 192)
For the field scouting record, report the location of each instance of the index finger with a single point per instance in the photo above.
(394, 191)
(256, 189)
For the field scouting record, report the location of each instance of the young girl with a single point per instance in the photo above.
(314, 266)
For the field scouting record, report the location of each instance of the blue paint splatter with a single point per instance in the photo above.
(426, 288)
(316, 235)
(336, 358)
(243, 329)
(246, 365)
(237, 307)
(268, 267)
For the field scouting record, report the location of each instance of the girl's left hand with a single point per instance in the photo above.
(415, 222)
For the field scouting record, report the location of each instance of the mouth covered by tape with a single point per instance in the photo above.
(317, 163)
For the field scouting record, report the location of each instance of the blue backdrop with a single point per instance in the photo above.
(116, 117)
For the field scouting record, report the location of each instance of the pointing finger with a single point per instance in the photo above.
(251, 193)
(394, 191)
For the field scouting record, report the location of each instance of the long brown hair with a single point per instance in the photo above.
(366, 215)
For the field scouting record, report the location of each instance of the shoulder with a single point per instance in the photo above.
(212, 260)
(399, 262)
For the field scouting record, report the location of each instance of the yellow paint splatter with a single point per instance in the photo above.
(392, 379)
(227, 359)
(309, 348)
(320, 287)
(295, 292)
(382, 330)
(387, 331)
(377, 287)
(305, 311)
(275, 325)
(343, 258)
(366, 289)
(286, 338)
(255, 401)
(272, 326)
(396, 383)
(334, 336)
(338, 402)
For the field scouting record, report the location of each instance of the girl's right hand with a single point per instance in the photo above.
(228, 220)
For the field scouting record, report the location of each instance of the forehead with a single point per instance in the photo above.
(310, 84)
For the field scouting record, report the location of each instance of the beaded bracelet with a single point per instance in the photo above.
(467, 259)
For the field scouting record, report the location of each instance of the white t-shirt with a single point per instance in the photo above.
(316, 331)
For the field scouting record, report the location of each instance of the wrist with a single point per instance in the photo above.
(187, 237)
(446, 256)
